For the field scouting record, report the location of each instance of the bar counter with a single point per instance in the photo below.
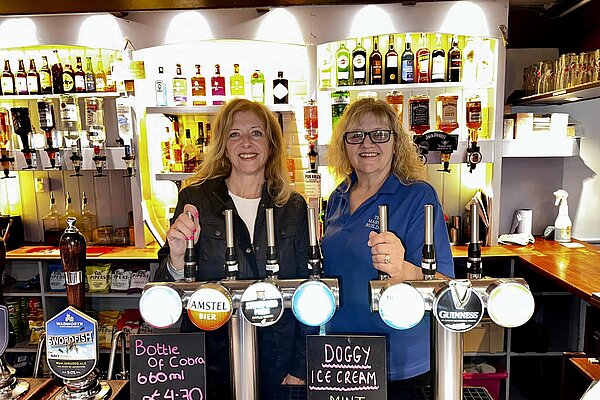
(42, 253)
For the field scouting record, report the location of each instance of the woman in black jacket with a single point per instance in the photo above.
(244, 170)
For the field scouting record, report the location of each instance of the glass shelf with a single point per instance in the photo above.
(56, 96)
(209, 110)
(583, 92)
(410, 86)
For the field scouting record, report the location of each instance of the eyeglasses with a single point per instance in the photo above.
(376, 136)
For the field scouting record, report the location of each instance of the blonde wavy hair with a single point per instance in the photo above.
(216, 163)
(405, 161)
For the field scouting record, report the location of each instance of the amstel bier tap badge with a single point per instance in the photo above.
(71, 344)
(210, 307)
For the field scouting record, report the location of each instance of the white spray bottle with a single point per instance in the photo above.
(562, 224)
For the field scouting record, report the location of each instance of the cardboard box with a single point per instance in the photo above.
(486, 337)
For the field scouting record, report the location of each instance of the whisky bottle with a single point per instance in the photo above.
(423, 57)
(217, 84)
(79, 76)
(179, 88)
(160, 90)
(100, 75)
(375, 64)
(438, 61)
(189, 154)
(342, 61)
(176, 153)
(257, 86)
(280, 89)
(8, 79)
(57, 74)
(198, 88)
(236, 83)
(21, 79)
(90, 77)
(111, 84)
(45, 77)
(359, 64)
(68, 78)
(165, 150)
(87, 221)
(69, 212)
(391, 63)
(50, 222)
(33, 78)
(200, 144)
(454, 61)
(407, 68)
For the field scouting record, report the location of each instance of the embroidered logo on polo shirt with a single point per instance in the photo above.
(373, 222)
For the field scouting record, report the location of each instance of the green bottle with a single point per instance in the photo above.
(236, 83)
(257, 86)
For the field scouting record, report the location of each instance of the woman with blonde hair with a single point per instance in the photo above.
(244, 170)
(379, 164)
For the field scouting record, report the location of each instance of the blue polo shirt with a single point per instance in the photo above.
(348, 257)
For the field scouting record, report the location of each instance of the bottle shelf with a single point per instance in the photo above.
(583, 92)
(209, 110)
(541, 146)
(56, 96)
(411, 86)
(22, 347)
(12, 290)
(105, 295)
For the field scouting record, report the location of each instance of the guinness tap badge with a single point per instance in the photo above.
(458, 307)
(262, 304)
(210, 306)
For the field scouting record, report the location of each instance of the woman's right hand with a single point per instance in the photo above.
(182, 229)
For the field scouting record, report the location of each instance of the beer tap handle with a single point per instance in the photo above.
(383, 227)
(314, 253)
(72, 253)
(190, 267)
(428, 264)
(474, 249)
(272, 262)
(231, 264)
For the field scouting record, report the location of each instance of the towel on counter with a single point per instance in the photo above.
(522, 239)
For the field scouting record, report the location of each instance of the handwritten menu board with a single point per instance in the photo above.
(168, 367)
(346, 367)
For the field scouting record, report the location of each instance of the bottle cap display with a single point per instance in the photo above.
(210, 307)
(160, 306)
(313, 303)
(401, 306)
(262, 304)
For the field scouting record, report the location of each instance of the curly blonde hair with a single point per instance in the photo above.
(405, 161)
(216, 163)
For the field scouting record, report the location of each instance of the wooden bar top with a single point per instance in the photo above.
(42, 253)
(587, 367)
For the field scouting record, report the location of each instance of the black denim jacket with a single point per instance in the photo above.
(278, 354)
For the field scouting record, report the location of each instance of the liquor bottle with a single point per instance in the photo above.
(21, 79)
(165, 150)
(68, 78)
(79, 76)
(45, 77)
(423, 57)
(51, 224)
(200, 145)
(325, 70)
(198, 88)
(311, 121)
(391, 63)
(111, 84)
(257, 86)
(87, 221)
(473, 117)
(57, 74)
(342, 60)
(208, 137)
(375, 64)
(290, 163)
(418, 108)
(407, 68)
(359, 64)
(94, 116)
(485, 63)
(438, 61)
(160, 90)
(179, 87)
(280, 89)
(90, 77)
(33, 78)
(69, 212)
(69, 116)
(395, 98)
(8, 79)
(189, 153)
(236, 83)
(176, 153)
(470, 60)
(446, 117)
(454, 61)
(100, 75)
(217, 84)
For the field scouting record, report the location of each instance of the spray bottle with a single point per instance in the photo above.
(562, 224)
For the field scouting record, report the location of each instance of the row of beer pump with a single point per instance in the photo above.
(70, 138)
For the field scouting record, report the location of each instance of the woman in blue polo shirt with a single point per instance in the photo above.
(380, 165)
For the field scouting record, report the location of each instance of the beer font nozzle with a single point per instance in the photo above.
(474, 250)
(314, 252)
(428, 264)
(383, 227)
(231, 264)
(272, 262)
(190, 267)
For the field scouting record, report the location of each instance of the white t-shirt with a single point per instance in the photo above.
(247, 209)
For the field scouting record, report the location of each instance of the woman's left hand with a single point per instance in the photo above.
(292, 380)
(387, 252)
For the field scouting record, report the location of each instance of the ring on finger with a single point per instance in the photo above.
(387, 259)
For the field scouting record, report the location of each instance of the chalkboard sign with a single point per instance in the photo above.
(346, 367)
(168, 366)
